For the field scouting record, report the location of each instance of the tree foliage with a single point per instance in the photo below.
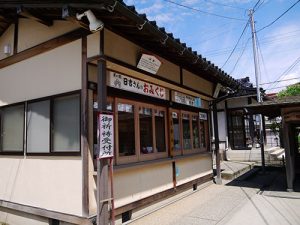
(290, 91)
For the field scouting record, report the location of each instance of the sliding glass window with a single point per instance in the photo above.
(12, 128)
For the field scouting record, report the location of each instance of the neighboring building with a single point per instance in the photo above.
(288, 108)
(239, 129)
(55, 76)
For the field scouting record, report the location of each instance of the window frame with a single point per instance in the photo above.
(51, 152)
(139, 156)
(191, 150)
(206, 135)
(24, 127)
(130, 158)
(178, 151)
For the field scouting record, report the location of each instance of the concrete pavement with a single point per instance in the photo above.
(238, 202)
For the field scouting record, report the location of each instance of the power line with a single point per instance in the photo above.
(204, 12)
(288, 69)
(236, 44)
(240, 56)
(256, 5)
(222, 4)
(278, 17)
(276, 87)
(278, 81)
(262, 57)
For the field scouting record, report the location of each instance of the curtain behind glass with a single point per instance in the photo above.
(12, 128)
(66, 124)
(38, 127)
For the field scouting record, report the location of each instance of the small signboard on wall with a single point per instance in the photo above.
(149, 63)
(202, 116)
(126, 83)
(187, 99)
(106, 135)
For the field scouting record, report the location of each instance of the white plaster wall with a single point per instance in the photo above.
(222, 126)
(52, 183)
(93, 44)
(134, 184)
(56, 71)
(192, 168)
(32, 33)
(7, 38)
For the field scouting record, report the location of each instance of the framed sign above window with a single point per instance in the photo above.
(120, 81)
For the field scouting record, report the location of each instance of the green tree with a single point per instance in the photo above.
(291, 90)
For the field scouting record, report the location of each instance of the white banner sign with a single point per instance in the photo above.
(202, 116)
(187, 99)
(149, 63)
(106, 135)
(123, 82)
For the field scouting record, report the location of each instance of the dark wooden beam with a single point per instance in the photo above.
(84, 129)
(44, 47)
(217, 149)
(16, 37)
(102, 164)
(38, 18)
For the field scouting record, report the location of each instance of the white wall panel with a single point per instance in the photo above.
(56, 71)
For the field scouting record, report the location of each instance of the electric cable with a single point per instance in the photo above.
(270, 24)
(262, 58)
(278, 81)
(222, 4)
(204, 12)
(286, 71)
(240, 56)
(277, 87)
(236, 44)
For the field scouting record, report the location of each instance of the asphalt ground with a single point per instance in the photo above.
(253, 198)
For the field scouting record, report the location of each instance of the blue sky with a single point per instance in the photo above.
(215, 37)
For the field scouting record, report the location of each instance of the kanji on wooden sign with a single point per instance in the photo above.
(106, 135)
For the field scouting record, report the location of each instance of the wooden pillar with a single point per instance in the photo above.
(227, 125)
(16, 36)
(217, 147)
(102, 164)
(289, 165)
(84, 130)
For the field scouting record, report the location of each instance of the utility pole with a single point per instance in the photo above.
(257, 77)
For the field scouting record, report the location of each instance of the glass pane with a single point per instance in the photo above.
(38, 126)
(160, 130)
(196, 139)
(186, 131)
(12, 128)
(146, 137)
(66, 124)
(126, 129)
(175, 119)
(202, 134)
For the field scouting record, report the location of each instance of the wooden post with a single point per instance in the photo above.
(289, 165)
(102, 164)
(84, 130)
(111, 174)
(216, 134)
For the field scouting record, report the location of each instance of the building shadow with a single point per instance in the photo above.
(272, 180)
